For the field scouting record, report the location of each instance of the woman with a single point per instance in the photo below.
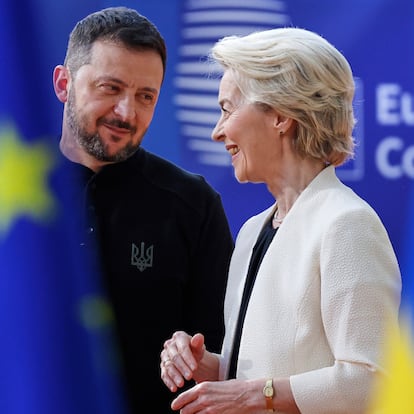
(314, 283)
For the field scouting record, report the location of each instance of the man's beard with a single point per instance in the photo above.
(92, 143)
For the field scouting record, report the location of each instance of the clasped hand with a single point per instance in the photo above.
(185, 357)
(180, 359)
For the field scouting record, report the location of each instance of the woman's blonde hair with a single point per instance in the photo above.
(302, 76)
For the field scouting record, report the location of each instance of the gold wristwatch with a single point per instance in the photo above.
(269, 393)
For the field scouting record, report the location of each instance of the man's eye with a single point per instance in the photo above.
(108, 87)
(146, 98)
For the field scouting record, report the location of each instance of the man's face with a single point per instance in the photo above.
(111, 100)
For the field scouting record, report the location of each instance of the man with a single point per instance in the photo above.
(163, 236)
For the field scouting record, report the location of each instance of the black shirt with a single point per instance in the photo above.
(165, 245)
(259, 250)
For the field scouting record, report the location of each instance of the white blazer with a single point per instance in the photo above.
(328, 288)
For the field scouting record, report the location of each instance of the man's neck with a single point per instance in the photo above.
(73, 152)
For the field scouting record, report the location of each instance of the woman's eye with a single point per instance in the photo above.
(225, 112)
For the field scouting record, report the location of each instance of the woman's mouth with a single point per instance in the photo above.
(232, 149)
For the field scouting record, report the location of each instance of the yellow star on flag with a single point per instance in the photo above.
(23, 179)
(394, 393)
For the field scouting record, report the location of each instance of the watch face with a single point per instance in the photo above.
(268, 392)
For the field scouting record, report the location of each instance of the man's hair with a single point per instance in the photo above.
(114, 24)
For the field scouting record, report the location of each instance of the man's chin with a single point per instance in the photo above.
(119, 156)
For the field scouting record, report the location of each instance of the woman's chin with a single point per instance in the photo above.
(241, 178)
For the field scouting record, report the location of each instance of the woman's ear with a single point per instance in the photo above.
(60, 82)
(282, 123)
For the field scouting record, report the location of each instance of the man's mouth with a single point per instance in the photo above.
(120, 127)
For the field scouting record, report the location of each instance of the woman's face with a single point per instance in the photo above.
(248, 133)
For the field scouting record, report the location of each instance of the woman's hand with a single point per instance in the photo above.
(235, 397)
(220, 397)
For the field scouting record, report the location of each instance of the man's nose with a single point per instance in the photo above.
(125, 108)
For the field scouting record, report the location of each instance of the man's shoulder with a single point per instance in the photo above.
(171, 177)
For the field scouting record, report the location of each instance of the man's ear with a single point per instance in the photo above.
(61, 78)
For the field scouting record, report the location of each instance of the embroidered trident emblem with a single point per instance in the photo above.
(141, 258)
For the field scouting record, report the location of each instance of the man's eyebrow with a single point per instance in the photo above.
(124, 84)
(149, 89)
(111, 79)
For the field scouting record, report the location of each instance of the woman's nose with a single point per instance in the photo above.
(217, 133)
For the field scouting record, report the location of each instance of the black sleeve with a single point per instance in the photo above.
(206, 290)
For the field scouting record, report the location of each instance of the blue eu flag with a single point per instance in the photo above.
(58, 352)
